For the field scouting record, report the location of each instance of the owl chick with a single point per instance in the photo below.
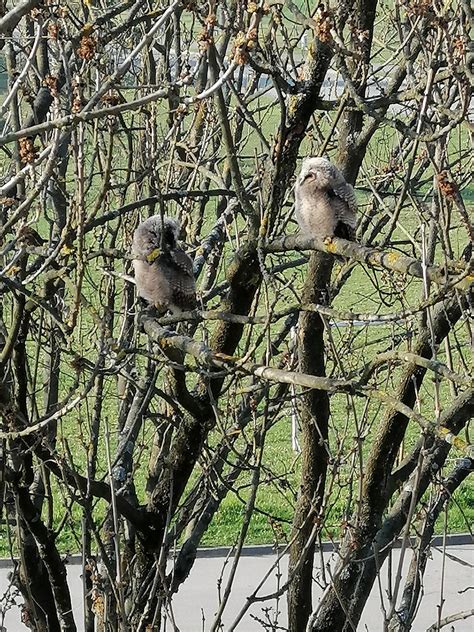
(325, 203)
(163, 271)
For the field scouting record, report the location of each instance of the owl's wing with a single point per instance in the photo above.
(181, 278)
(346, 192)
(345, 231)
(182, 262)
(343, 201)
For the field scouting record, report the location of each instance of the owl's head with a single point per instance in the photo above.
(147, 236)
(319, 173)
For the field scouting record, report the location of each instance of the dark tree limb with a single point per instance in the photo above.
(453, 419)
(374, 535)
(402, 619)
(314, 427)
(51, 559)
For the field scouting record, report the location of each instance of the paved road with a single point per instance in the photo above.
(194, 606)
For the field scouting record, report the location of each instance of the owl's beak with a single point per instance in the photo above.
(308, 176)
(154, 254)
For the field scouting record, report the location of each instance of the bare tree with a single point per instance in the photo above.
(123, 433)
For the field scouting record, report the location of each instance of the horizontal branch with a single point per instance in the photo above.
(85, 115)
(387, 259)
(205, 356)
(412, 358)
(72, 120)
(155, 199)
(121, 70)
(167, 340)
(458, 616)
(337, 317)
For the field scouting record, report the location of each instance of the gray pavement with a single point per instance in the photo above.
(193, 608)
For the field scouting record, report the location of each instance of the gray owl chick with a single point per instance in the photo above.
(163, 271)
(325, 203)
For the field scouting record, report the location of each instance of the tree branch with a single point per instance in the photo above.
(387, 259)
(13, 17)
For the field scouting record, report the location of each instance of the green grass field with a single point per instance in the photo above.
(271, 521)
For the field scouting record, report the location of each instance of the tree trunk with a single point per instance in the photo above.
(314, 452)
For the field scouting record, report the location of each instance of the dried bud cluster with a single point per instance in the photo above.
(77, 101)
(204, 40)
(242, 44)
(28, 151)
(52, 83)
(111, 98)
(417, 7)
(448, 188)
(211, 19)
(323, 24)
(54, 30)
(87, 48)
(459, 48)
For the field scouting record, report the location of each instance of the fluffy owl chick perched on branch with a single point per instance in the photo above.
(163, 271)
(325, 203)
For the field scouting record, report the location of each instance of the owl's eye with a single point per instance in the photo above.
(309, 176)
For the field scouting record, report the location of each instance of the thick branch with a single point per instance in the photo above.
(343, 598)
(387, 259)
(51, 558)
(13, 17)
(314, 436)
(402, 619)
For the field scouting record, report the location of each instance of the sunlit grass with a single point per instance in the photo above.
(280, 476)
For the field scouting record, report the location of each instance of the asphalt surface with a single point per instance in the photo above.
(194, 607)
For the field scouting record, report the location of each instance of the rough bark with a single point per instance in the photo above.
(314, 449)
(342, 606)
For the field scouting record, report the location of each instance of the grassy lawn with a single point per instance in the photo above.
(271, 521)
